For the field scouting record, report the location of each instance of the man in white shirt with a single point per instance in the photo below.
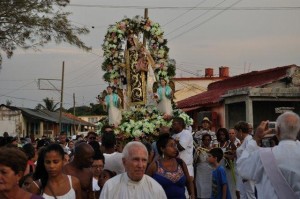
(244, 186)
(133, 184)
(232, 138)
(286, 155)
(113, 159)
(184, 141)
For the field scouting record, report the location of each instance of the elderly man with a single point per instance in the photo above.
(275, 170)
(80, 167)
(133, 184)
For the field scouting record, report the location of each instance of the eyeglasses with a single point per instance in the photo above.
(97, 166)
(92, 138)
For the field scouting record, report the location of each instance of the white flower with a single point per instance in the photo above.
(160, 40)
(137, 133)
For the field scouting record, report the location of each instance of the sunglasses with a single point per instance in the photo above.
(92, 138)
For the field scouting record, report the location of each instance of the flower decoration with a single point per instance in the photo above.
(116, 36)
(142, 123)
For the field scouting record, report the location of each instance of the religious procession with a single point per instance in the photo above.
(232, 141)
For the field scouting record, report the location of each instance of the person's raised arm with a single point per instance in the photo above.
(261, 131)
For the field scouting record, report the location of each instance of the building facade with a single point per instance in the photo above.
(251, 97)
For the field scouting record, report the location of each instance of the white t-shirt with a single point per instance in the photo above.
(95, 185)
(186, 141)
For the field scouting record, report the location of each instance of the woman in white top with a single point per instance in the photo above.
(51, 182)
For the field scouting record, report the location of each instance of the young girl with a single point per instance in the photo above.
(50, 182)
(26, 181)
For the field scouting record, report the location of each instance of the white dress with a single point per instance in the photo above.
(165, 105)
(203, 177)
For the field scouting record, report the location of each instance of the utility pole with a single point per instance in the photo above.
(74, 126)
(145, 17)
(61, 95)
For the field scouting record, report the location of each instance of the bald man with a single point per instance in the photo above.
(80, 167)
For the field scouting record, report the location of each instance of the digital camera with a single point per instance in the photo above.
(272, 125)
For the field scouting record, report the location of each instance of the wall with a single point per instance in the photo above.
(10, 121)
(235, 112)
(265, 110)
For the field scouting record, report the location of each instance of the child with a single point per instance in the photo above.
(26, 181)
(104, 176)
(220, 188)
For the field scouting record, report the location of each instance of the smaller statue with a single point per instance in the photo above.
(112, 104)
(164, 97)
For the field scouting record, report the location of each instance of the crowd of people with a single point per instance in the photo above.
(228, 163)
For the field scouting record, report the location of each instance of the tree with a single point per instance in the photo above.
(49, 105)
(93, 109)
(34, 23)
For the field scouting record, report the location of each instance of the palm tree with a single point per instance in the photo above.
(48, 105)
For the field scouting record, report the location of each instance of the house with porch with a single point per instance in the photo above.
(251, 97)
(19, 121)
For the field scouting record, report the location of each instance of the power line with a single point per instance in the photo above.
(85, 66)
(187, 71)
(203, 22)
(86, 85)
(22, 98)
(17, 89)
(176, 29)
(187, 85)
(185, 7)
(184, 13)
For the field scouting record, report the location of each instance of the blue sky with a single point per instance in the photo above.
(250, 35)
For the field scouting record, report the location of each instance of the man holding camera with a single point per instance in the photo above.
(276, 170)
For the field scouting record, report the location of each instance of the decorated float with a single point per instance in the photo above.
(139, 74)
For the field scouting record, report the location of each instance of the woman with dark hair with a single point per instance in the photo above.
(169, 171)
(12, 166)
(203, 170)
(49, 176)
(30, 152)
(223, 138)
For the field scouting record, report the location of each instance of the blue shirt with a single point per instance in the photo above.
(218, 180)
